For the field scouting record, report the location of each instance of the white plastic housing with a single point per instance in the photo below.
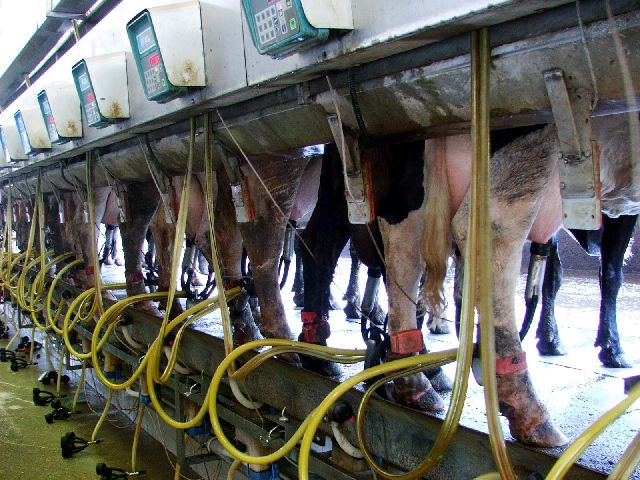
(108, 75)
(36, 128)
(336, 14)
(178, 29)
(12, 140)
(65, 108)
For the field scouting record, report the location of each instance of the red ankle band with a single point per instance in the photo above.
(406, 342)
(308, 317)
(316, 332)
(514, 364)
(135, 277)
(89, 270)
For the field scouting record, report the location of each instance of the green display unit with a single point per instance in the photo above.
(47, 115)
(87, 94)
(149, 62)
(280, 27)
(24, 135)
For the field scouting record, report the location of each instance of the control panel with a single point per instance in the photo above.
(87, 96)
(282, 27)
(49, 121)
(101, 85)
(60, 109)
(168, 50)
(4, 154)
(22, 131)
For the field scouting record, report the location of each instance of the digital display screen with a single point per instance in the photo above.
(22, 131)
(46, 108)
(145, 40)
(83, 81)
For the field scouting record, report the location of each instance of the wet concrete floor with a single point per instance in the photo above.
(576, 388)
(30, 448)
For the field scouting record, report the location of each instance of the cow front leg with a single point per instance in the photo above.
(134, 231)
(549, 342)
(352, 295)
(616, 235)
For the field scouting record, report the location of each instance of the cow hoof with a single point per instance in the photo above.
(439, 380)
(550, 348)
(416, 392)
(108, 261)
(351, 311)
(322, 367)
(439, 328)
(529, 421)
(119, 262)
(378, 315)
(149, 308)
(545, 435)
(613, 360)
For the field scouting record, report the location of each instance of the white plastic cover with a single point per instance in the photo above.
(65, 107)
(12, 139)
(178, 29)
(108, 75)
(36, 128)
(329, 13)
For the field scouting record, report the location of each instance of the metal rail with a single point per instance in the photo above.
(399, 435)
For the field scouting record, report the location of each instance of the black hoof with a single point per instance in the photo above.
(440, 328)
(323, 367)
(378, 315)
(439, 380)
(613, 360)
(351, 311)
(551, 348)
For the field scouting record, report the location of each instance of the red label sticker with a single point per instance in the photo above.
(154, 59)
(90, 97)
(51, 119)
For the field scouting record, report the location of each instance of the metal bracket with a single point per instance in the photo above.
(240, 194)
(357, 181)
(579, 159)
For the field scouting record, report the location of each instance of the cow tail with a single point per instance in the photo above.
(436, 237)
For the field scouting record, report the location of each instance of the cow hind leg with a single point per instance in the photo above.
(616, 235)
(529, 421)
(404, 269)
(549, 342)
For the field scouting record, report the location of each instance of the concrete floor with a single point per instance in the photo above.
(30, 448)
(575, 387)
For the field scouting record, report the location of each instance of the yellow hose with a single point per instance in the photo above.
(105, 411)
(181, 224)
(628, 462)
(573, 452)
(136, 437)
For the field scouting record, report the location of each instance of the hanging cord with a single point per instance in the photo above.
(587, 54)
(355, 104)
(160, 179)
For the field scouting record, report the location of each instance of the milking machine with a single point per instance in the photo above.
(535, 278)
(27, 290)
